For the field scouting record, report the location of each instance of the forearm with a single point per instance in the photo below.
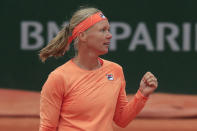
(130, 110)
(46, 128)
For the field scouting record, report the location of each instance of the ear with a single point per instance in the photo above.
(82, 36)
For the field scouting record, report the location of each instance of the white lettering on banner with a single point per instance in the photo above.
(146, 40)
(53, 29)
(171, 38)
(186, 37)
(35, 34)
(167, 34)
(125, 33)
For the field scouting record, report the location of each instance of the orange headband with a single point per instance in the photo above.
(85, 24)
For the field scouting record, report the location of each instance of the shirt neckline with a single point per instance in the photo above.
(84, 70)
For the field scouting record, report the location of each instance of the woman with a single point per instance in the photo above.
(87, 93)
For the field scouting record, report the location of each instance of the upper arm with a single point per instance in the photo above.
(122, 100)
(51, 100)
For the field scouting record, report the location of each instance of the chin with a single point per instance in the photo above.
(103, 52)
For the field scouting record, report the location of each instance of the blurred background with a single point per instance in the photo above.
(157, 36)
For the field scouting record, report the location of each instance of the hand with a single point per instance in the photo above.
(148, 84)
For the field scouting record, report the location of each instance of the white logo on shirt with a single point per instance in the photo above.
(110, 77)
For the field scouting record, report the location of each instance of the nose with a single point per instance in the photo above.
(109, 35)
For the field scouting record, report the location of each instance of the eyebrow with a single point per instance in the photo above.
(107, 26)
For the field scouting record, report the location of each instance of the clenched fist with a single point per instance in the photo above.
(148, 84)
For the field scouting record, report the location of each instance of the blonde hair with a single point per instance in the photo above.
(58, 45)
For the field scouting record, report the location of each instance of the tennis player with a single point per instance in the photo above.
(87, 93)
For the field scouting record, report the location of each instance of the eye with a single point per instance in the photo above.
(103, 30)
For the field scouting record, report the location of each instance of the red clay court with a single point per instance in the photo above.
(19, 111)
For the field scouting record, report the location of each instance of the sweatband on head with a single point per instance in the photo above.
(85, 24)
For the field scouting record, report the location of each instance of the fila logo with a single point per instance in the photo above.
(102, 16)
(110, 77)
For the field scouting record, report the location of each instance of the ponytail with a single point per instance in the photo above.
(57, 46)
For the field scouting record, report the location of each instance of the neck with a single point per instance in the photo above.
(87, 61)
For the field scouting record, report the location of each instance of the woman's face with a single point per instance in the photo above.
(98, 38)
